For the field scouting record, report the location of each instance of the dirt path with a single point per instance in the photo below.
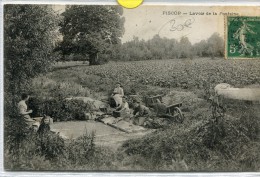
(105, 135)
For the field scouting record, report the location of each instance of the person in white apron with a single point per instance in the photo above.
(22, 108)
(118, 94)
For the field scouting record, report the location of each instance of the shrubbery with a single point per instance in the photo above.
(208, 146)
(46, 87)
(27, 150)
(60, 109)
(79, 151)
(50, 145)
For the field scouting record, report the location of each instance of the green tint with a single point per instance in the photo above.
(243, 37)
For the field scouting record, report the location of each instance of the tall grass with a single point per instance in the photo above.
(26, 150)
(201, 145)
(46, 87)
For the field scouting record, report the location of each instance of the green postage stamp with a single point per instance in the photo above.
(242, 37)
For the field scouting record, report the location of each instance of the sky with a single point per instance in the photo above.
(146, 21)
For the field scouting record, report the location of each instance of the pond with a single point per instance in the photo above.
(105, 135)
(74, 129)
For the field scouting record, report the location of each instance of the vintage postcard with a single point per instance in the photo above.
(154, 88)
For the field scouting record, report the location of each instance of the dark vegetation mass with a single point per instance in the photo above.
(199, 144)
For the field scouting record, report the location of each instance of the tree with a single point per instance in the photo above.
(201, 48)
(215, 46)
(185, 48)
(91, 30)
(157, 47)
(29, 38)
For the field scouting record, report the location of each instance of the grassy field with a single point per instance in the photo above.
(195, 145)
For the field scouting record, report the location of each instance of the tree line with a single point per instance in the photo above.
(164, 48)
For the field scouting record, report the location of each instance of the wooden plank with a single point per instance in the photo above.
(121, 125)
(116, 127)
(174, 105)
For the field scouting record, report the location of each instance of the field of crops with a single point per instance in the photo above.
(171, 73)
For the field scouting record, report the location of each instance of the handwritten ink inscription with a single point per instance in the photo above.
(176, 25)
(179, 27)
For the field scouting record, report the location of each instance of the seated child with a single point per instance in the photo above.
(44, 126)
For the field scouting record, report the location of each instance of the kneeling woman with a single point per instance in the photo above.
(118, 94)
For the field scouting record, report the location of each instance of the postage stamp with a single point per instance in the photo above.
(242, 37)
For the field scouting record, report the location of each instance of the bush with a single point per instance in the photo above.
(50, 145)
(25, 150)
(155, 148)
(67, 89)
(80, 150)
(75, 57)
(60, 109)
(26, 162)
(46, 87)
(207, 146)
(250, 123)
(82, 154)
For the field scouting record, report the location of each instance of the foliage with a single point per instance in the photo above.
(45, 87)
(164, 48)
(79, 151)
(197, 144)
(90, 30)
(50, 145)
(207, 147)
(60, 109)
(213, 47)
(27, 150)
(30, 35)
(201, 48)
(30, 32)
(75, 57)
(185, 48)
(250, 125)
(248, 114)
